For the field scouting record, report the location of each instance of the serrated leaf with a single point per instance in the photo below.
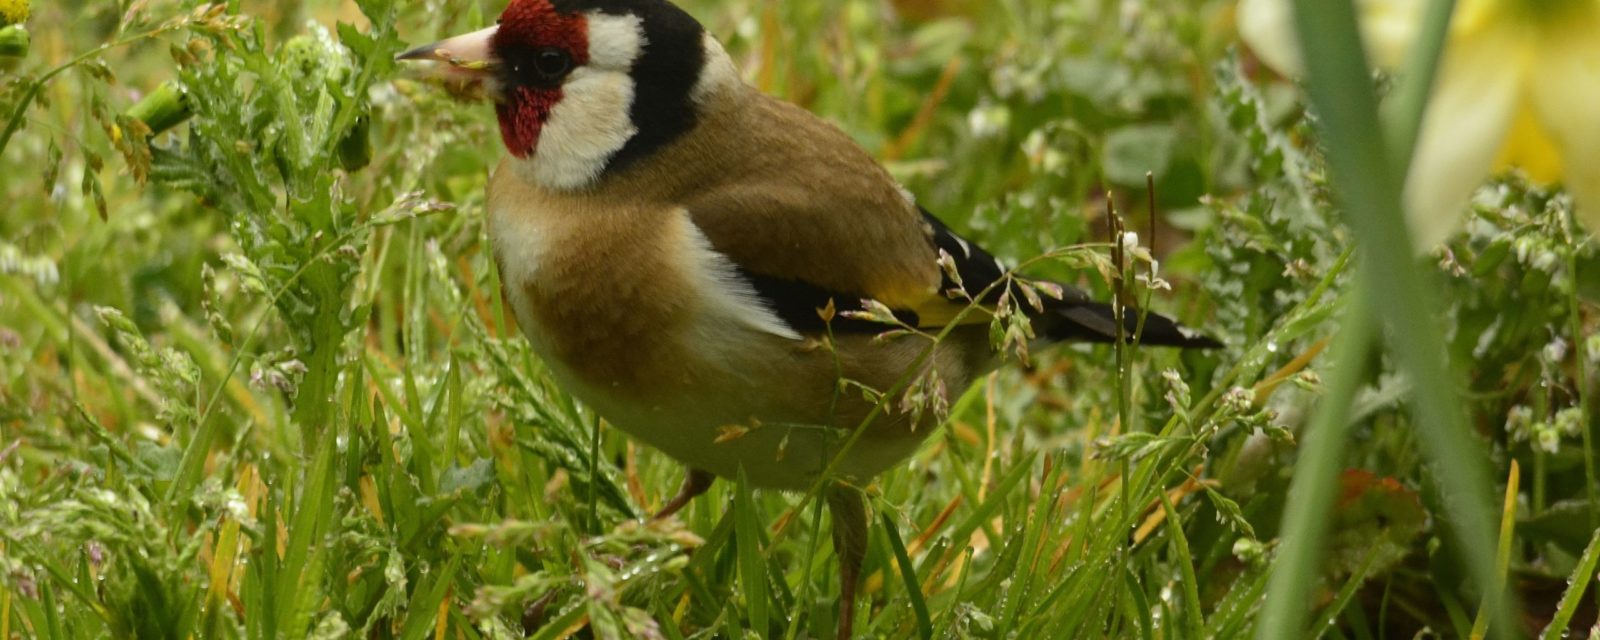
(359, 43)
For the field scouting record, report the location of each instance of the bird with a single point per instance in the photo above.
(718, 272)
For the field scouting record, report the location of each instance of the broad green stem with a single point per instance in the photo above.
(315, 395)
(1316, 478)
(1368, 186)
(1404, 113)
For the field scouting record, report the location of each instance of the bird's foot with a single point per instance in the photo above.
(695, 482)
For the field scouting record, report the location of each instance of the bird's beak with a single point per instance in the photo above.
(468, 60)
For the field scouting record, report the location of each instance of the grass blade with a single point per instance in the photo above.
(1347, 593)
(563, 626)
(422, 613)
(908, 573)
(1502, 557)
(1576, 586)
(752, 564)
(1192, 618)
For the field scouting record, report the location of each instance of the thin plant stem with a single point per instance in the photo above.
(1586, 421)
(1585, 392)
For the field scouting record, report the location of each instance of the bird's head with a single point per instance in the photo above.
(585, 87)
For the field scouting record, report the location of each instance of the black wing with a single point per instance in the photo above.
(1074, 318)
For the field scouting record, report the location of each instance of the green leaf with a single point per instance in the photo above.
(156, 462)
(1133, 151)
(359, 43)
(1565, 524)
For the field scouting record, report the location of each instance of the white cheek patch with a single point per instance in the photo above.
(592, 121)
(718, 74)
(614, 41)
(586, 128)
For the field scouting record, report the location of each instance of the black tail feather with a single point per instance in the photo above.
(1073, 318)
(1094, 322)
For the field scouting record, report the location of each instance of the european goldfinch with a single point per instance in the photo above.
(669, 239)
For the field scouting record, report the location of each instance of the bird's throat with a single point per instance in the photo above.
(522, 116)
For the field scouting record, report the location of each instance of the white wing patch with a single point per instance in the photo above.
(727, 297)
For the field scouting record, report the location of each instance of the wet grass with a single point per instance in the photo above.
(256, 379)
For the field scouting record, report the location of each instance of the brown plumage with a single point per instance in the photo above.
(667, 236)
(614, 299)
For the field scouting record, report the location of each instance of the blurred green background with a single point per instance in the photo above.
(256, 379)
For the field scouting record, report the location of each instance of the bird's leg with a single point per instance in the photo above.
(850, 544)
(695, 483)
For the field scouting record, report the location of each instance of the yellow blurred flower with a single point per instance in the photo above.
(13, 12)
(1519, 86)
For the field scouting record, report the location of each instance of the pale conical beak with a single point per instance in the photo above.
(466, 56)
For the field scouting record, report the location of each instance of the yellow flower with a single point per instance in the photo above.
(13, 12)
(1518, 86)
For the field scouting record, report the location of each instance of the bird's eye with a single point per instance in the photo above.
(552, 64)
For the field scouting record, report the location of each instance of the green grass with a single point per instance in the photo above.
(256, 379)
